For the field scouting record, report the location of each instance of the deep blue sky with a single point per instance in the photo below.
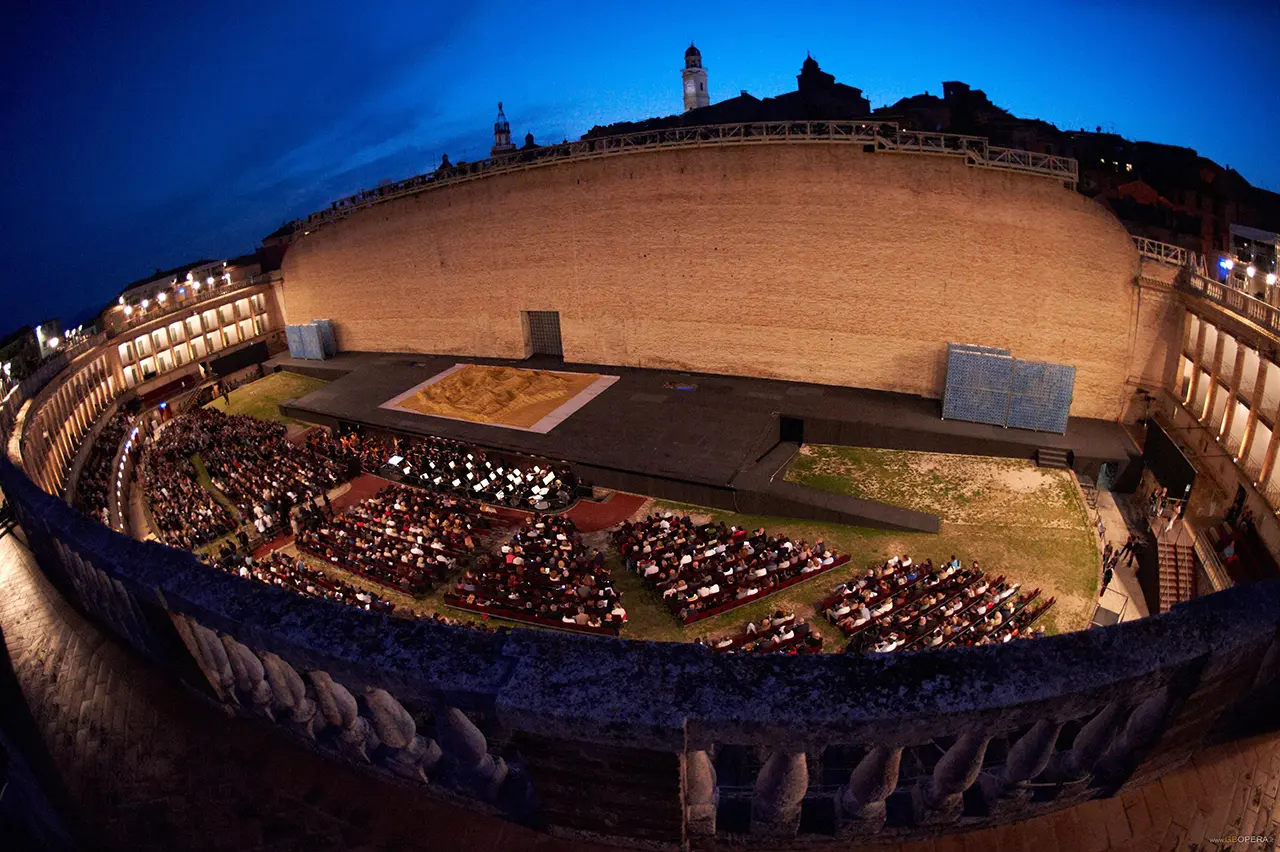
(140, 138)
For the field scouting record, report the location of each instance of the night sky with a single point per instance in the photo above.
(137, 139)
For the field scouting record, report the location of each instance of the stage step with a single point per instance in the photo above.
(1051, 457)
(1177, 574)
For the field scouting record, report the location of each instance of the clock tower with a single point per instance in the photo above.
(695, 80)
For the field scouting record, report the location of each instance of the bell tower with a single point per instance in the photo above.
(501, 135)
(695, 80)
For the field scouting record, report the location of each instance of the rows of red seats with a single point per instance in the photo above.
(776, 634)
(404, 538)
(705, 570)
(544, 576)
(902, 605)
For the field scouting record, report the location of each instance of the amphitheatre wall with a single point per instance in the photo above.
(806, 262)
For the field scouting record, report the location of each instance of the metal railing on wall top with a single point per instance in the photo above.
(883, 135)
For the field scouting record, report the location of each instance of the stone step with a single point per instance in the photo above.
(1051, 457)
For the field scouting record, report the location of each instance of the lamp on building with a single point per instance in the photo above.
(53, 342)
(196, 284)
(1251, 271)
(121, 300)
(1271, 278)
(146, 303)
(160, 297)
(1228, 264)
(209, 280)
(128, 309)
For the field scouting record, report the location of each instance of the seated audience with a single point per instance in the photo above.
(544, 575)
(98, 476)
(705, 570)
(405, 538)
(775, 634)
(911, 606)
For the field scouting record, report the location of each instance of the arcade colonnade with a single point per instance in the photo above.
(143, 356)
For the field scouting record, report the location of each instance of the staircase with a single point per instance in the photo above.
(1090, 491)
(1051, 457)
(1177, 574)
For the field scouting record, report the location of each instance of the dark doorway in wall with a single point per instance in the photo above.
(791, 430)
(543, 333)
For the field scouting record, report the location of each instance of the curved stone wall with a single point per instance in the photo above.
(667, 744)
(808, 261)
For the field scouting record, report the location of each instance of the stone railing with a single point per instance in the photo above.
(665, 744)
(138, 317)
(885, 136)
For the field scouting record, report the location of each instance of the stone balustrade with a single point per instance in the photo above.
(666, 745)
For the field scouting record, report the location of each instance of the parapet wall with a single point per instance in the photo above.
(808, 262)
(665, 745)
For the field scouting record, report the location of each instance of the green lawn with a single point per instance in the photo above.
(261, 399)
(1017, 519)
(205, 481)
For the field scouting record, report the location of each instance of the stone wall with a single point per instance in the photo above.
(807, 262)
(666, 745)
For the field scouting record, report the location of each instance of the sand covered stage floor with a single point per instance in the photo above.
(511, 397)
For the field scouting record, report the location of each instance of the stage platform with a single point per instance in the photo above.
(684, 436)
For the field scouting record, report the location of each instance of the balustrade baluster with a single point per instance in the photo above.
(939, 799)
(1089, 745)
(412, 755)
(779, 792)
(290, 693)
(1141, 730)
(250, 676)
(862, 801)
(701, 796)
(339, 708)
(463, 742)
(1030, 755)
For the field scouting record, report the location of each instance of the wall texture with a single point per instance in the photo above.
(809, 262)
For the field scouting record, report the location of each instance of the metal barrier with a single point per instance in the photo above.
(1218, 577)
(1196, 281)
(883, 136)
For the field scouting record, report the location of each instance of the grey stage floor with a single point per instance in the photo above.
(644, 423)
